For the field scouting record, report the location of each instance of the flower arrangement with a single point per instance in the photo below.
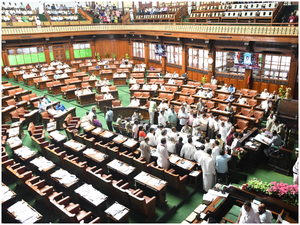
(240, 151)
(265, 132)
(282, 91)
(98, 56)
(288, 193)
(203, 80)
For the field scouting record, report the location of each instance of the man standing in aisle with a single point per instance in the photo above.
(109, 118)
(208, 170)
(152, 109)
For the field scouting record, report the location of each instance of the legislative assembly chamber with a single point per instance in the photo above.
(149, 112)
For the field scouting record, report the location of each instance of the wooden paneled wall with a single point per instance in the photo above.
(110, 46)
(171, 69)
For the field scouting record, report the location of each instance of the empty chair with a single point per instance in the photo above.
(241, 125)
(156, 171)
(77, 168)
(36, 130)
(245, 112)
(40, 143)
(116, 103)
(175, 181)
(127, 157)
(122, 192)
(55, 155)
(210, 105)
(19, 174)
(142, 203)
(140, 164)
(252, 102)
(258, 115)
(70, 120)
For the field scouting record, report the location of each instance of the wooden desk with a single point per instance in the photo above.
(45, 172)
(70, 94)
(31, 117)
(119, 140)
(11, 71)
(96, 133)
(74, 150)
(103, 103)
(107, 136)
(152, 77)
(76, 63)
(92, 83)
(29, 208)
(58, 142)
(95, 71)
(181, 163)
(34, 99)
(6, 98)
(19, 95)
(127, 71)
(61, 117)
(18, 76)
(108, 74)
(87, 99)
(76, 83)
(83, 67)
(70, 187)
(220, 112)
(6, 113)
(131, 145)
(8, 201)
(42, 84)
(6, 89)
(152, 186)
(96, 158)
(80, 76)
(24, 160)
(121, 169)
(29, 80)
(121, 217)
(119, 81)
(55, 89)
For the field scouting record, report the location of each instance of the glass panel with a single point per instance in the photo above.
(51, 56)
(76, 46)
(26, 51)
(27, 58)
(88, 45)
(19, 51)
(11, 52)
(42, 57)
(35, 58)
(12, 60)
(40, 49)
(33, 50)
(82, 46)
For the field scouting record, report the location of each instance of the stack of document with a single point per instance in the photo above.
(91, 194)
(130, 142)
(23, 212)
(194, 173)
(42, 163)
(88, 126)
(13, 132)
(97, 130)
(57, 135)
(119, 138)
(89, 151)
(6, 193)
(217, 193)
(143, 177)
(117, 211)
(16, 124)
(14, 141)
(174, 159)
(185, 164)
(84, 124)
(108, 134)
(64, 176)
(156, 182)
(73, 144)
(200, 208)
(24, 152)
(154, 152)
(120, 166)
(51, 125)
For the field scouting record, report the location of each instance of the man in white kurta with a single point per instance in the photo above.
(223, 131)
(296, 168)
(208, 171)
(162, 155)
(188, 150)
(152, 140)
(216, 150)
(145, 150)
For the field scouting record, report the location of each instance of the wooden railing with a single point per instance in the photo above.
(277, 11)
(47, 16)
(180, 13)
(126, 18)
(85, 15)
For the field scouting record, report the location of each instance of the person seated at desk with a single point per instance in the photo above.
(153, 87)
(162, 87)
(67, 70)
(93, 77)
(89, 63)
(274, 96)
(248, 214)
(175, 74)
(162, 119)
(266, 105)
(230, 98)
(159, 74)
(116, 74)
(108, 95)
(46, 100)
(224, 88)
(32, 74)
(198, 133)
(106, 66)
(171, 81)
(105, 88)
(143, 65)
(53, 63)
(6, 69)
(60, 107)
(66, 65)
(22, 71)
(56, 76)
(209, 93)
(45, 77)
(35, 69)
(78, 92)
(42, 73)
(231, 89)
(279, 127)
(163, 105)
(152, 68)
(123, 74)
(265, 94)
(136, 86)
(201, 93)
(186, 129)
(241, 100)
(105, 81)
(86, 91)
(132, 80)
(99, 82)
(265, 215)
(213, 80)
(136, 115)
(25, 75)
(64, 75)
(146, 87)
(51, 67)
(228, 108)
(134, 102)
(275, 141)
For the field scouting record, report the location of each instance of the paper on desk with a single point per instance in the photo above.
(64, 176)
(194, 173)
(23, 212)
(14, 140)
(6, 193)
(108, 134)
(154, 152)
(260, 138)
(89, 151)
(85, 124)
(185, 165)
(191, 217)
(174, 159)
(119, 138)
(209, 197)
(15, 124)
(143, 177)
(42, 163)
(155, 182)
(97, 130)
(91, 194)
(200, 208)
(13, 132)
(130, 142)
(117, 211)
(217, 193)
(24, 152)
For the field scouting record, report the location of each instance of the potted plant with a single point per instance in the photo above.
(240, 151)
(114, 56)
(203, 80)
(98, 56)
(127, 56)
(282, 91)
(106, 54)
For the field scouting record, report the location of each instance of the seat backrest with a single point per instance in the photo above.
(98, 97)
(190, 100)
(14, 114)
(245, 112)
(49, 84)
(253, 93)
(258, 114)
(252, 102)
(77, 168)
(137, 94)
(7, 85)
(182, 98)
(222, 96)
(210, 104)
(244, 91)
(127, 158)
(121, 194)
(85, 78)
(112, 88)
(116, 103)
(21, 110)
(11, 102)
(32, 95)
(138, 204)
(185, 90)
(11, 92)
(162, 95)
(85, 84)
(242, 124)
(179, 82)
(64, 88)
(206, 85)
(172, 179)
(176, 108)
(146, 94)
(140, 164)
(173, 89)
(170, 96)
(221, 106)
(55, 82)
(192, 91)
(157, 172)
(223, 118)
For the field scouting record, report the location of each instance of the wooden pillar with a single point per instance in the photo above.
(146, 45)
(131, 50)
(71, 51)
(293, 75)
(248, 73)
(47, 54)
(5, 58)
(93, 50)
(211, 63)
(163, 64)
(184, 58)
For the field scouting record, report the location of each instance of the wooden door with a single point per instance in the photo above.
(59, 53)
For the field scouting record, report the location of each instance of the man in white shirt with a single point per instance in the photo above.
(108, 95)
(136, 86)
(266, 105)
(134, 102)
(211, 122)
(171, 145)
(171, 81)
(152, 141)
(216, 150)
(265, 215)
(235, 140)
(241, 100)
(213, 80)
(152, 109)
(224, 88)
(78, 92)
(163, 156)
(132, 80)
(223, 131)
(200, 153)
(162, 118)
(183, 117)
(163, 105)
(105, 88)
(201, 93)
(296, 168)
(154, 87)
(248, 214)
(146, 86)
(188, 150)
(175, 74)
(162, 87)
(208, 171)
(265, 94)
(158, 131)
(209, 93)
(173, 134)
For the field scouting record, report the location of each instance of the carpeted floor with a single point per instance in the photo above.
(178, 207)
